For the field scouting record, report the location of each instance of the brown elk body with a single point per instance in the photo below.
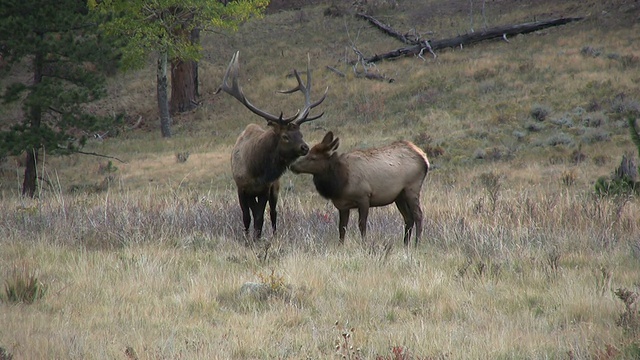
(261, 155)
(363, 179)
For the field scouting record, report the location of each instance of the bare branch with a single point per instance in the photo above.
(96, 154)
(340, 73)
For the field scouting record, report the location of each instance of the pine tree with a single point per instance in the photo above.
(169, 29)
(67, 59)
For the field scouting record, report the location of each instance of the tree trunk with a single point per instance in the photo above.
(184, 80)
(183, 88)
(30, 183)
(163, 98)
(195, 39)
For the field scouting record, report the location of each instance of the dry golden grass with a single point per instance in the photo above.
(146, 259)
(531, 277)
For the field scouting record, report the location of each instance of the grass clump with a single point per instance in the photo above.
(23, 286)
(274, 283)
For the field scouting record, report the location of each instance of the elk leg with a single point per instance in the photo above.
(414, 205)
(257, 209)
(343, 222)
(363, 213)
(245, 201)
(273, 201)
(407, 215)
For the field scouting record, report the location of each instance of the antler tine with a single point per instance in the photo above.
(303, 115)
(236, 91)
(306, 117)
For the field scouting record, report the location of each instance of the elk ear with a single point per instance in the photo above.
(334, 144)
(328, 138)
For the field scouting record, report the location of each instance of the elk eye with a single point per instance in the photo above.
(285, 137)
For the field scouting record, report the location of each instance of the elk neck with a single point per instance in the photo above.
(269, 163)
(331, 184)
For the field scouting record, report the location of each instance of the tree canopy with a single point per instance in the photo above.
(164, 27)
(67, 59)
(160, 25)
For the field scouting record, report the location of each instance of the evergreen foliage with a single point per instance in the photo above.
(624, 181)
(163, 26)
(635, 132)
(60, 43)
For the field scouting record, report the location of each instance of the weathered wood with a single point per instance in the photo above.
(340, 73)
(387, 29)
(471, 38)
(372, 76)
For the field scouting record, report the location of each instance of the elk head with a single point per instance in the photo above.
(317, 161)
(290, 144)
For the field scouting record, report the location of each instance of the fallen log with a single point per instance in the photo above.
(471, 38)
(387, 29)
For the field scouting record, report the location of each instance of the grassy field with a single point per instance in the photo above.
(519, 258)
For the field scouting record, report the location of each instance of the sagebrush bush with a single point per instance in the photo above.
(540, 112)
(629, 320)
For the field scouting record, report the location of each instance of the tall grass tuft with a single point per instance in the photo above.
(23, 286)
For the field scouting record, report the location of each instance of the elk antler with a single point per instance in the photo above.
(303, 116)
(235, 90)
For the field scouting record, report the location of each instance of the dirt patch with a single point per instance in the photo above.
(167, 169)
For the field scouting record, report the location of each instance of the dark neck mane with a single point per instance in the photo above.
(331, 183)
(267, 164)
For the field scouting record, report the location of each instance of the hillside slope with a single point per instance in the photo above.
(533, 108)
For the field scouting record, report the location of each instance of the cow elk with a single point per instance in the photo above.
(362, 179)
(261, 155)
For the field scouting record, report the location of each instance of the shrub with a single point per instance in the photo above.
(590, 51)
(569, 178)
(559, 139)
(492, 183)
(534, 127)
(629, 61)
(629, 320)
(616, 187)
(594, 120)
(577, 156)
(182, 157)
(624, 180)
(540, 112)
(5, 355)
(565, 121)
(344, 346)
(625, 106)
(595, 135)
(424, 141)
(519, 135)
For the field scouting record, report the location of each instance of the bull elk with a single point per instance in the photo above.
(362, 179)
(261, 155)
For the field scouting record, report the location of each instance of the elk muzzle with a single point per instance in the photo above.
(304, 149)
